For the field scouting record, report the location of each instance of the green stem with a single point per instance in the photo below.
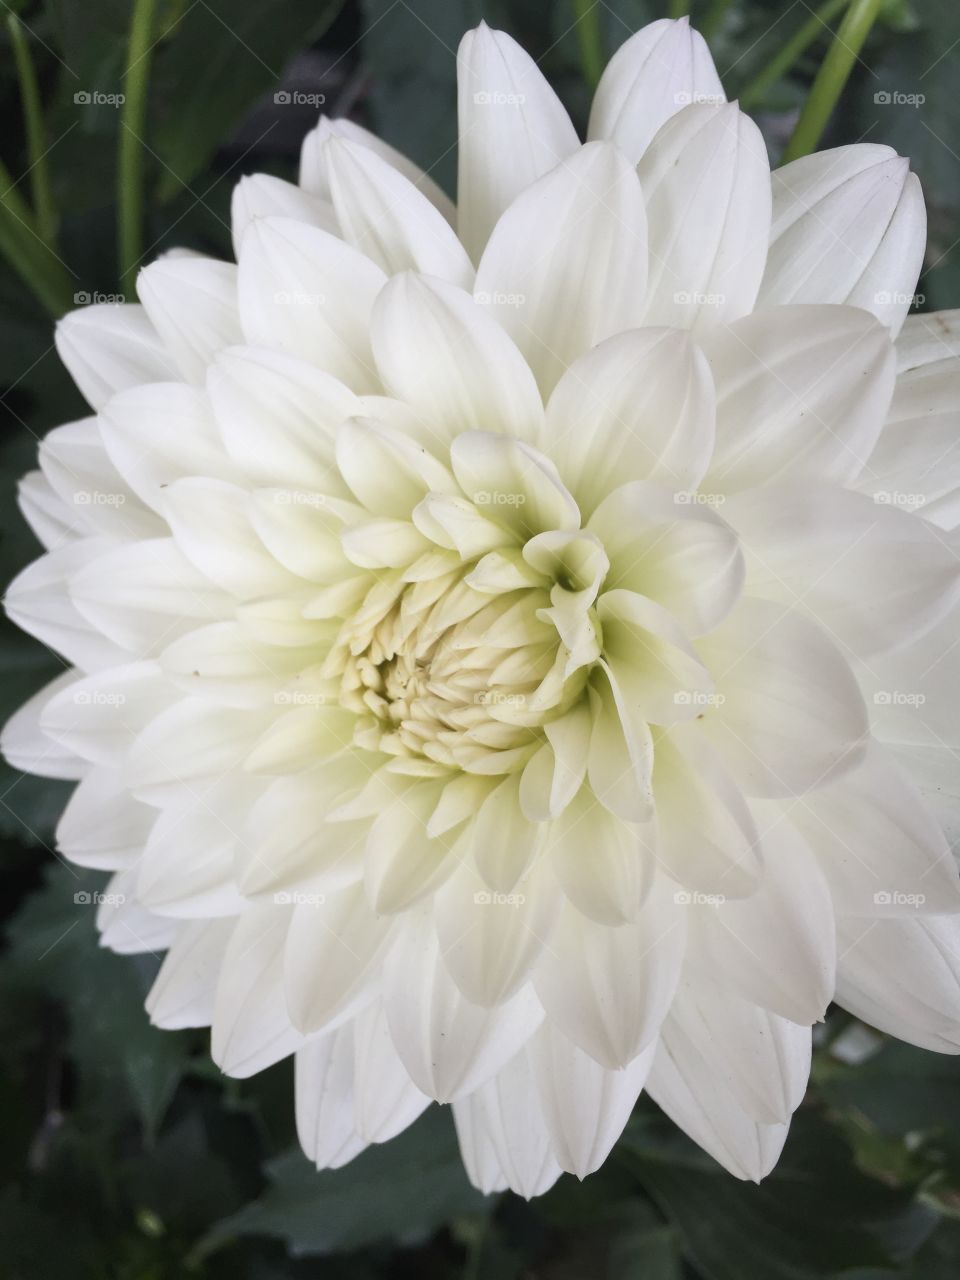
(831, 78)
(591, 42)
(714, 18)
(795, 48)
(130, 158)
(678, 8)
(46, 213)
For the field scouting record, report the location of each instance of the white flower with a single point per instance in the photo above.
(505, 669)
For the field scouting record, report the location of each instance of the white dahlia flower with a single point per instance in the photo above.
(512, 647)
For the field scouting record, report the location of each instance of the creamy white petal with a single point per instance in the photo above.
(448, 1045)
(313, 162)
(903, 977)
(303, 291)
(107, 347)
(446, 356)
(184, 991)
(849, 225)
(540, 274)
(513, 129)
(382, 214)
(385, 1099)
(656, 72)
(584, 1105)
(25, 746)
(706, 181)
(192, 303)
(640, 405)
(323, 1075)
(102, 826)
(608, 989)
(792, 714)
(802, 393)
(261, 195)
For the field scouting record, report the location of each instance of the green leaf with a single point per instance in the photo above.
(53, 945)
(815, 1215)
(214, 63)
(401, 1191)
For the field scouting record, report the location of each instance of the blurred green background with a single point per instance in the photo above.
(124, 1152)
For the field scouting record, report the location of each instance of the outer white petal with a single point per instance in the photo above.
(382, 214)
(695, 1096)
(38, 601)
(277, 415)
(314, 177)
(323, 1075)
(192, 303)
(707, 838)
(48, 516)
(184, 991)
(916, 461)
(126, 927)
(260, 195)
(99, 716)
(874, 576)
(25, 746)
(849, 225)
(585, 1106)
(332, 958)
(762, 1059)
(776, 948)
(879, 845)
(706, 180)
(604, 865)
(792, 714)
(677, 551)
(103, 826)
(448, 1045)
(448, 358)
(540, 273)
(142, 595)
(640, 405)
(802, 392)
(211, 525)
(490, 942)
(504, 1119)
(74, 460)
(903, 976)
(513, 129)
(108, 347)
(925, 339)
(303, 291)
(608, 989)
(385, 1099)
(160, 432)
(251, 1029)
